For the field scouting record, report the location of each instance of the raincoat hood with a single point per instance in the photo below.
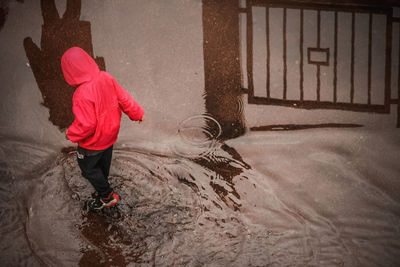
(78, 66)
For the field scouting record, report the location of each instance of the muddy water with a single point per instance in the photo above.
(241, 203)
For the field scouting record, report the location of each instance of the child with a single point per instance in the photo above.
(97, 104)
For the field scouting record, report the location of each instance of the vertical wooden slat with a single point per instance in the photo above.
(353, 18)
(335, 59)
(250, 52)
(398, 86)
(388, 63)
(319, 46)
(284, 55)
(369, 58)
(268, 51)
(301, 54)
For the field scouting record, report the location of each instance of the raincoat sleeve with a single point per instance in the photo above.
(128, 105)
(85, 121)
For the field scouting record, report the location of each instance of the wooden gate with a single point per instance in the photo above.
(318, 56)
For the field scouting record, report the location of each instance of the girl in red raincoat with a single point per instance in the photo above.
(97, 105)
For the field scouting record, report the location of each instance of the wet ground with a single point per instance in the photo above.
(298, 189)
(320, 197)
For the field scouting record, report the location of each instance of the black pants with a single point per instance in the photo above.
(95, 166)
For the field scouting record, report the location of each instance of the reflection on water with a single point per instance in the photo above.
(225, 167)
(326, 199)
(168, 208)
(222, 70)
(224, 208)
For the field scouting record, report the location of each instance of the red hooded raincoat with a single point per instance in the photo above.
(97, 102)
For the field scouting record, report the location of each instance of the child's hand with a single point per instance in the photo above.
(142, 119)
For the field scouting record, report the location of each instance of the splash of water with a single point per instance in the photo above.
(198, 136)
